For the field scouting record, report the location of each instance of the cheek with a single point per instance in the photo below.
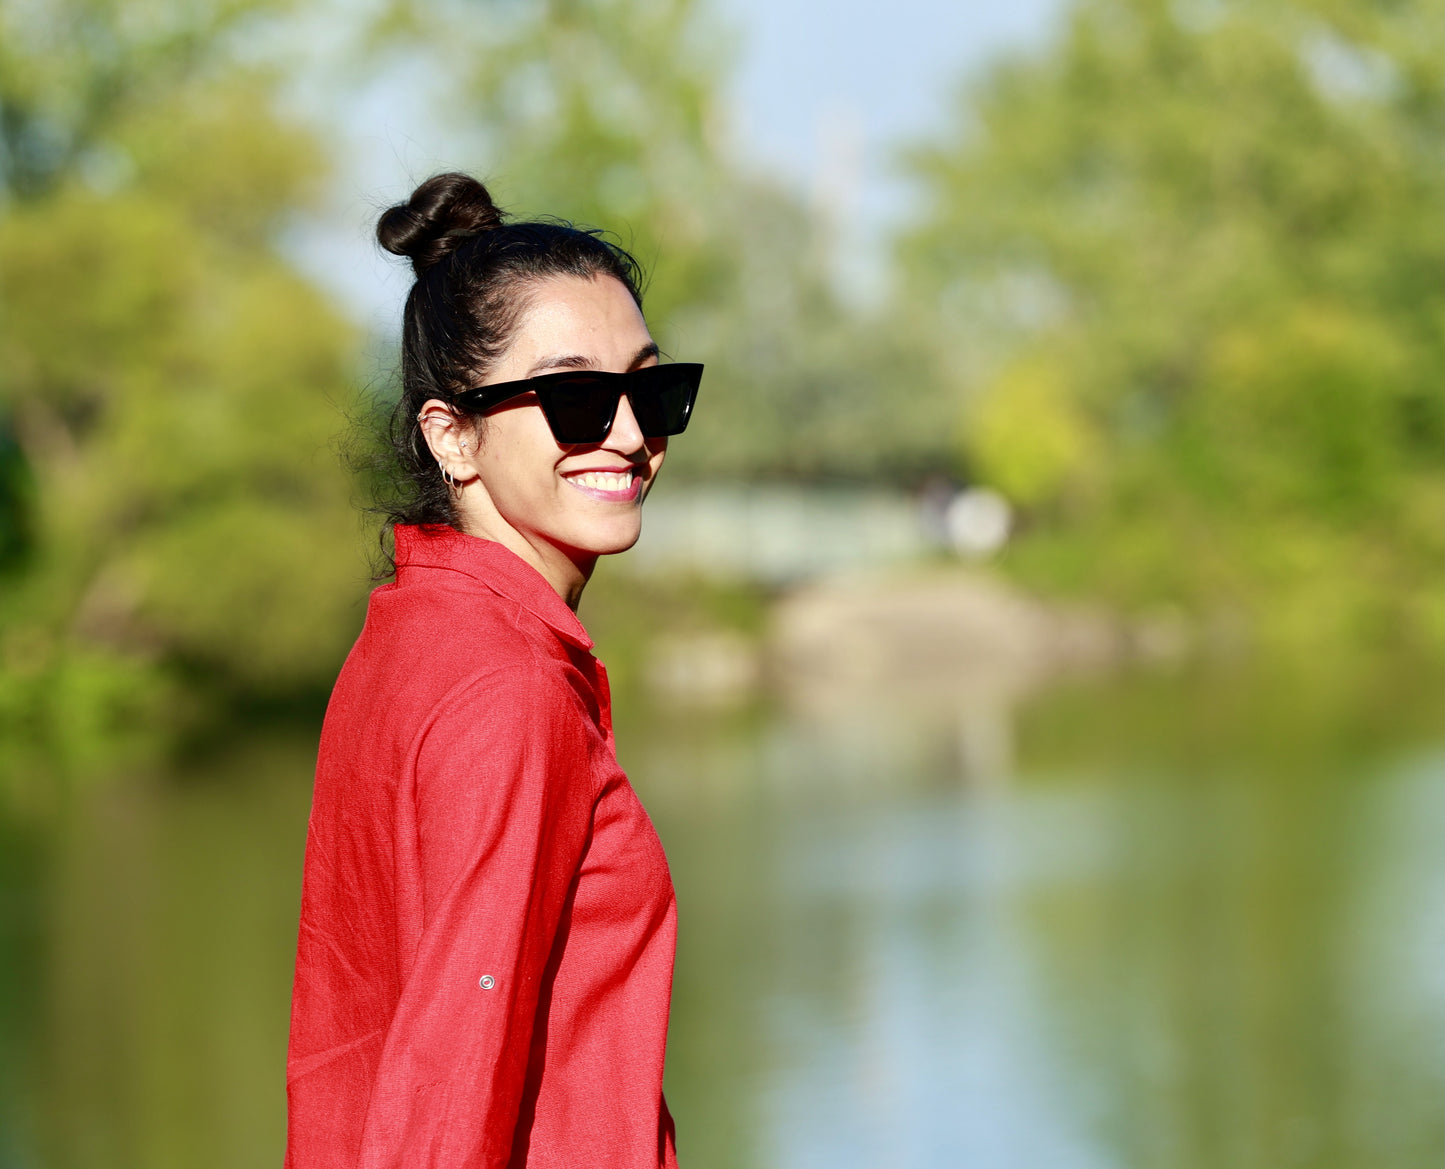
(519, 465)
(519, 497)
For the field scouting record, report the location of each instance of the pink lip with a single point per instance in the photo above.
(632, 493)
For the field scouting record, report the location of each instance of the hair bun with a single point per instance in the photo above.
(441, 214)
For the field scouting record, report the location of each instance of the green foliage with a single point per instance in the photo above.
(170, 384)
(1193, 255)
(1175, 292)
(608, 112)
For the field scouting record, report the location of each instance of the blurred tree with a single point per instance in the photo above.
(168, 386)
(609, 112)
(1188, 262)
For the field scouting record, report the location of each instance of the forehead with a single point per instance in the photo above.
(594, 317)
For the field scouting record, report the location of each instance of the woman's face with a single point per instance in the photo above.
(559, 507)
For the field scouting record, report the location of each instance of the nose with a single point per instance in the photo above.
(625, 437)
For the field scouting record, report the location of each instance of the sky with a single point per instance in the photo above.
(825, 94)
(823, 91)
(822, 95)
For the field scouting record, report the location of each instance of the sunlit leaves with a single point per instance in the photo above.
(173, 388)
(1236, 208)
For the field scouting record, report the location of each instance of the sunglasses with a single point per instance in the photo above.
(580, 405)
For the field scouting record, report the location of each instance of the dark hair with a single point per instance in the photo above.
(472, 271)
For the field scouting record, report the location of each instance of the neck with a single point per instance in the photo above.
(567, 573)
(570, 582)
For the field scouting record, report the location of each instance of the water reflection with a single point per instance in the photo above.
(1131, 948)
(162, 989)
(1115, 928)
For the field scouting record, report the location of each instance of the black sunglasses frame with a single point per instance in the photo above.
(644, 389)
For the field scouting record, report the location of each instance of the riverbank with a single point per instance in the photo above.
(924, 633)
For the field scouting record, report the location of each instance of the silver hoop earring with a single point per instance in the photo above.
(448, 478)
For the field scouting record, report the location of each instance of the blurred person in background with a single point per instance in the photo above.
(487, 928)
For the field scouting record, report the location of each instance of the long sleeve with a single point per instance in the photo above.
(500, 800)
(487, 928)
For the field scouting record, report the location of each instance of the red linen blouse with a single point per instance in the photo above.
(487, 920)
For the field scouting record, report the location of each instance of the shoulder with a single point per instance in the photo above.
(526, 704)
(429, 637)
(504, 735)
(445, 607)
(430, 654)
(524, 685)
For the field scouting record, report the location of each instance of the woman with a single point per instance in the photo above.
(487, 922)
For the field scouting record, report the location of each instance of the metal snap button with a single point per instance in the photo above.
(486, 982)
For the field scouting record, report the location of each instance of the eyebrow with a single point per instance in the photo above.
(578, 361)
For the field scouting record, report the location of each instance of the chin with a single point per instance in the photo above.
(607, 540)
(620, 544)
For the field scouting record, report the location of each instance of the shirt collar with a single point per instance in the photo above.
(494, 565)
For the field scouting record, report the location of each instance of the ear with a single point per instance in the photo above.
(451, 438)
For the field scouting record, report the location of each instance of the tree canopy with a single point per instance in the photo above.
(611, 113)
(168, 384)
(1189, 259)
(1174, 290)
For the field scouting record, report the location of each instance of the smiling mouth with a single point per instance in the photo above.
(620, 486)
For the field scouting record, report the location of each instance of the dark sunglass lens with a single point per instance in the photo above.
(579, 410)
(662, 397)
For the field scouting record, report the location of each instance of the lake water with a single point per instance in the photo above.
(1188, 922)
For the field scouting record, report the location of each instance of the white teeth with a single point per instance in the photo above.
(605, 480)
